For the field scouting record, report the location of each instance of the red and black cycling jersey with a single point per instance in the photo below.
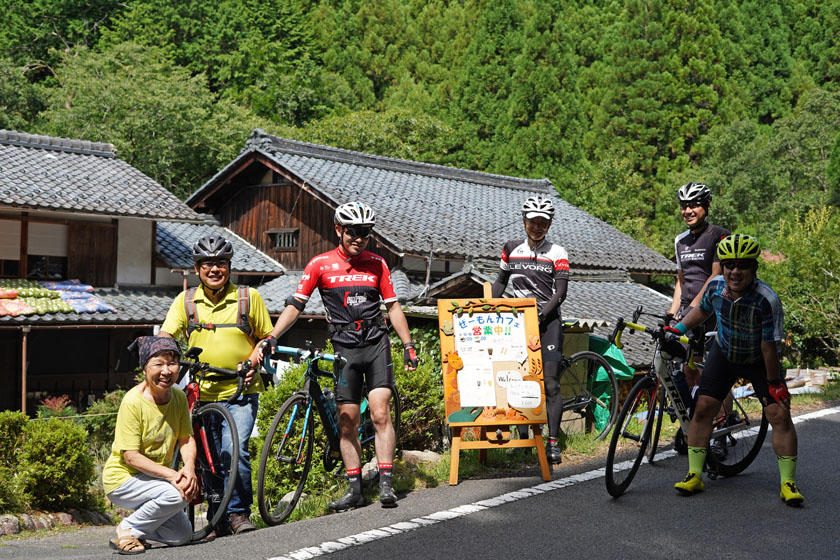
(695, 256)
(533, 271)
(353, 290)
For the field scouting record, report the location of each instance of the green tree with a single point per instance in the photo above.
(808, 282)
(20, 100)
(833, 173)
(162, 120)
(767, 61)
(36, 32)
(396, 133)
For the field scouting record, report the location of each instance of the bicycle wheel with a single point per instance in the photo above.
(590, 395)
(631, 436)
(216, 470)
(285, 460)
(739, 434)
(662, 407)
(367, 432)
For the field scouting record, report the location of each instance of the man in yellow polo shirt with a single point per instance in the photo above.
(225, 321)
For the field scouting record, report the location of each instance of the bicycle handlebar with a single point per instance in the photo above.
(307, 355)
(621, 324)
(221, 372)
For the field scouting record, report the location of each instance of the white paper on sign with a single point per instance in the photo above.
(506, 376)
(476, 387)
(523, 394)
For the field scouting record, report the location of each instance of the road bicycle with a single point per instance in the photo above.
(216, 470)
(590, 391)
(290, 441)
(738, 431)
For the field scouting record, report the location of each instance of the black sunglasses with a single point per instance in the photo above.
(685, 205)
(743, 265)
(361, 232)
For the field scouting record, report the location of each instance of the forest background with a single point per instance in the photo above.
(617, 102)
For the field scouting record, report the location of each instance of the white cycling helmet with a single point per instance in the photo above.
(355, 214)
(538, 207)
(694, 192)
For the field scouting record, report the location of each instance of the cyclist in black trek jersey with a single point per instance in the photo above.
(354, 283)
(697, 261)
(537, 268)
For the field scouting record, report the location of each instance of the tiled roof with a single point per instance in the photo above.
(450, 211)
(175, 241)
(135, 306)
(43, 172)
(278, 290)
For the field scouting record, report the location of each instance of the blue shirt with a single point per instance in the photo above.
(744, 323)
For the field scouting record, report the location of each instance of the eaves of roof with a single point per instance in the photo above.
(175, 241)
(134, 306)
(60, 174)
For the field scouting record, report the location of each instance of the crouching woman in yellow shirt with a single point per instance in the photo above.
(153, 416)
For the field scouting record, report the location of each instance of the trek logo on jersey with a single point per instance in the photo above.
(342, 278)
(304, 278)
(693, 255)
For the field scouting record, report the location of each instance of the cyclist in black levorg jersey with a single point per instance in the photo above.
(697, 261)
(537, 268)
(354, 283)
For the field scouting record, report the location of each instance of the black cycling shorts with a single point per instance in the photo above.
(719, 375)
(551, 340)
(369, 366)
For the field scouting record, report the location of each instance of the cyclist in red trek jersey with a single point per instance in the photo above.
(537, 268)
(354, 283)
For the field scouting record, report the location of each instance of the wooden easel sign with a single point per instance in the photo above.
(492, 374)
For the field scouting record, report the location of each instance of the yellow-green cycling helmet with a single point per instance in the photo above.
(738, 246)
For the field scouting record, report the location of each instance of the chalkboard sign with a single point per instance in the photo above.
(492, 373)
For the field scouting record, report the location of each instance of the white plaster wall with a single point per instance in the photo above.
(134, 251)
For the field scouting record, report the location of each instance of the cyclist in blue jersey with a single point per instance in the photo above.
(748, 344)
(539, 269)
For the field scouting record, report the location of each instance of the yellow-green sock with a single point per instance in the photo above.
(696, 458)
(787, 467)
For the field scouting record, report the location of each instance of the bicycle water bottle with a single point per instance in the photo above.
(330, 397)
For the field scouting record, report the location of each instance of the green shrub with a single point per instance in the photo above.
(12, 497)
(421, 392)
(11, 433)
(100, 419)
(55, 466)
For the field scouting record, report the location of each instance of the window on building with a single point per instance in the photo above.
(46, 251)
(10, 248)
(283, 239)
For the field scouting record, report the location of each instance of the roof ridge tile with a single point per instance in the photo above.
(58, 144)
(263, 141)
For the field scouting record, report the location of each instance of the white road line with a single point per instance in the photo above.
(468, 509)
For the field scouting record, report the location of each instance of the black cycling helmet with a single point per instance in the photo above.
(212, 247)
(694, 192)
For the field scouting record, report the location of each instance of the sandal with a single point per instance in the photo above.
(127, 545)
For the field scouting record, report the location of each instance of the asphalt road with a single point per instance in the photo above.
(572, 516)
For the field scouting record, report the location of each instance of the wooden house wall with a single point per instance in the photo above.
(254, 209)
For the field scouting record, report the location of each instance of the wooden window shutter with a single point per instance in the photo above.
(92, 253)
